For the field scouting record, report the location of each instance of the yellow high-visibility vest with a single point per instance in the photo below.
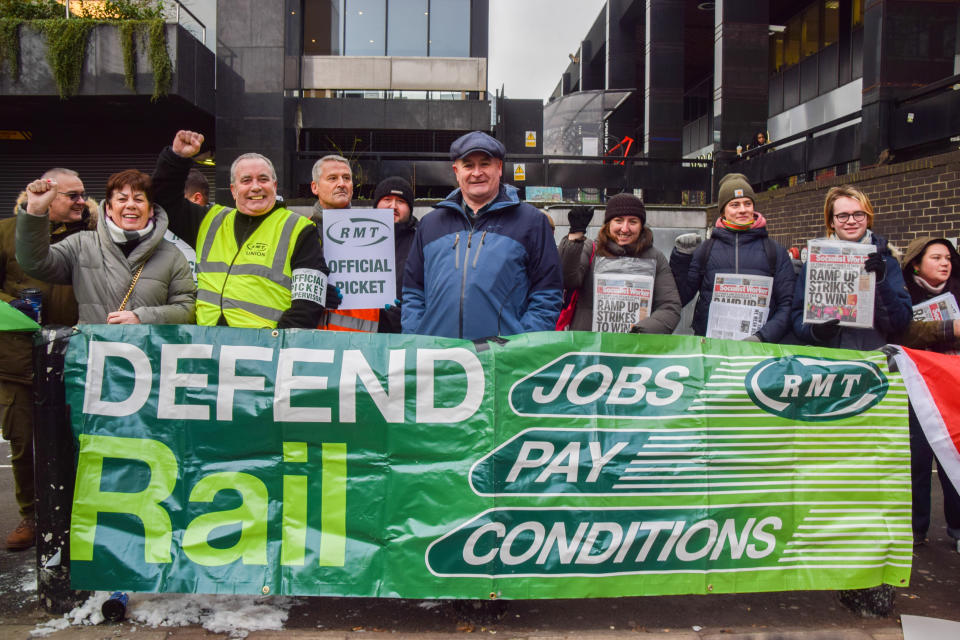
(249, 285)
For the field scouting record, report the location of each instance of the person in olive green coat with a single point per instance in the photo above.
(122, 273)
(70, 212)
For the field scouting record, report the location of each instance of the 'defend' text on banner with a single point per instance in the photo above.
(553, 466)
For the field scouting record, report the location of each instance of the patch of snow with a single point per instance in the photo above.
(46, 628)
(429, 604)
(236, 615)
(87, 613)
(28, 581)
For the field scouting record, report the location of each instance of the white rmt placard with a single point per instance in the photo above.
(359, 250)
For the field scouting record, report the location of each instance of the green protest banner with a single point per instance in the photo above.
(555, 465)
(15, 320)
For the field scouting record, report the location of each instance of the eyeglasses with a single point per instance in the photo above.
(74, 195)
(857, 216)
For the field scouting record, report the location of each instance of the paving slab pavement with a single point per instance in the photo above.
(132, 632)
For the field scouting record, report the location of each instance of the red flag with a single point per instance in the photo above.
(933, 384)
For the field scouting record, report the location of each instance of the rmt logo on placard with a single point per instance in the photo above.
(815, 389)
(357, 232)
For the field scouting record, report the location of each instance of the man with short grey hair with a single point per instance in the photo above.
(332, 184)
(70, 212)
(239, 281)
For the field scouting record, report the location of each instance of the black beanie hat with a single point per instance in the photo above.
(395, 186)
(625, 204)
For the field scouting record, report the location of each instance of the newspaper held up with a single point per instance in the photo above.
(740, 305)
(622, 292)
(837, 285)
(942, 307)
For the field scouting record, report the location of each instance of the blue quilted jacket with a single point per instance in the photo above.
(495, 274)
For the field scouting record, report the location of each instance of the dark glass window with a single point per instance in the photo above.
(810, 31)
(321, 27)
(791, 49)
(831, 22)
(365, 27)
(450, 28)
(407, 27)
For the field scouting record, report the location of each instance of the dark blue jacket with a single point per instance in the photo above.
(496, 274)
(735, 252)
(892, 310)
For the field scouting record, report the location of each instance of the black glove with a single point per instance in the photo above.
(827, 331)
(635, 328)
(334, 297)
(876, 264)
(579, 218)
(393, 305)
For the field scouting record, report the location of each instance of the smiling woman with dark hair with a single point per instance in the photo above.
(123, 272)
(931, 269)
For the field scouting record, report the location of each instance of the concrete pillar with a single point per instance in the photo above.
(250, 83)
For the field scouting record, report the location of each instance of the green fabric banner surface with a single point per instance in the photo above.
(15, 320)
(555, 465)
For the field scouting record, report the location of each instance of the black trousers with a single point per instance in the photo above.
(921, 461)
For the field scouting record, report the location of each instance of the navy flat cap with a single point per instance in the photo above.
(476, 141)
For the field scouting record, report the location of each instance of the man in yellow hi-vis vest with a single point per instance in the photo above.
(259, 265)
(333, 186)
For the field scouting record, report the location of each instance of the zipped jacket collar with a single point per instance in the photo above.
(506, 197)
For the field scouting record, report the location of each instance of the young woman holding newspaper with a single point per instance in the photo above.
(931, 269)
(848, 216)
(739, 246)
(623, 246)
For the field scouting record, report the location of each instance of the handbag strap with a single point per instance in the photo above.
(136, 277)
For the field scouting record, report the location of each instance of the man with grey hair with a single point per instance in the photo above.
(246, 274)
(332, 184)
(70, 212)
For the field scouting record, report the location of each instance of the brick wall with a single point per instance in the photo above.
(911, 199)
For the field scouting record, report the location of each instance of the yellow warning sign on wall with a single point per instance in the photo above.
(531, 139)
(519, 172)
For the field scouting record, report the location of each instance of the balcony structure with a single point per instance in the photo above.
(105, 126)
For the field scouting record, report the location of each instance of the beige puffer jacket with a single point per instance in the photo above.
(101, 274)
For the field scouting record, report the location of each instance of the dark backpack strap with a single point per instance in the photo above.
(771, 248)
(705, 250)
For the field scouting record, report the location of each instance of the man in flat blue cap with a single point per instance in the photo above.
(482, 263)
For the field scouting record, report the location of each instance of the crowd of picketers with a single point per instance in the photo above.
(482, 263)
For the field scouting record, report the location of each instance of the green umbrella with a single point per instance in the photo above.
(14, 320)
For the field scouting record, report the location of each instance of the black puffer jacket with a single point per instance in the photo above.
(736, 252)
(403, 234)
